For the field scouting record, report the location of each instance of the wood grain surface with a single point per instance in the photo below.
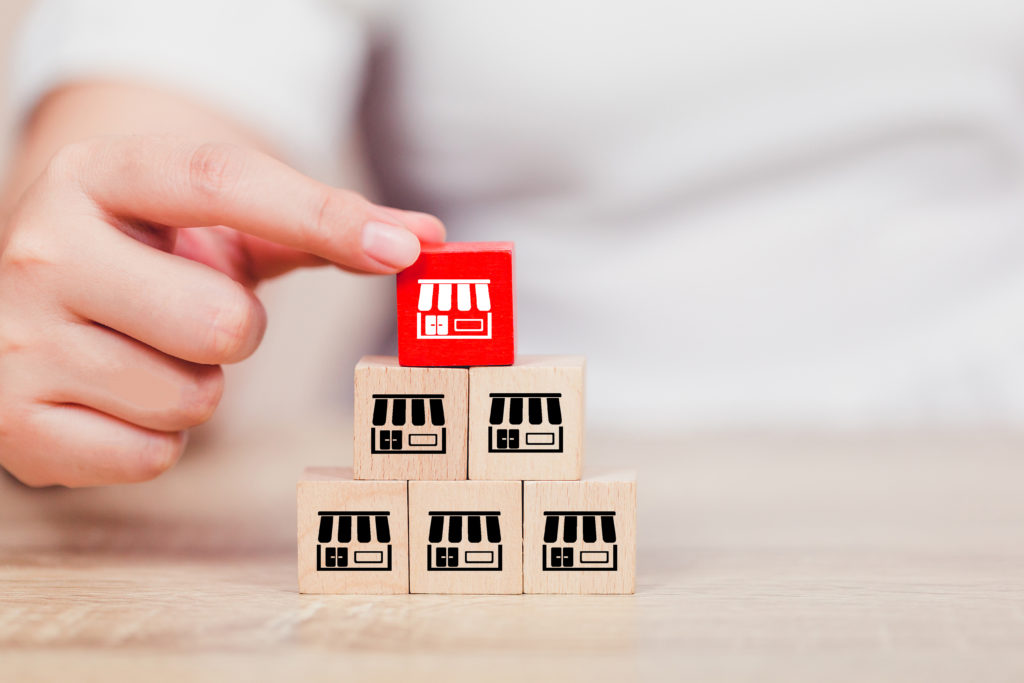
(760, 557)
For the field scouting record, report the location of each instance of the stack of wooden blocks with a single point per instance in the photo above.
(468, 461)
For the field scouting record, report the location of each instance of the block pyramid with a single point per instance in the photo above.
(467, 469)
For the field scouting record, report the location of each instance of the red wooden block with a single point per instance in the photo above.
(456, 306)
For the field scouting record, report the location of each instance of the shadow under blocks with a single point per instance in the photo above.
(467, 459)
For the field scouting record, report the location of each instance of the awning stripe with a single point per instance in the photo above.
(426, 296)
(493, 530)
(483, 298)
(554, 411)
(551, 529)
(326, 526)
(444, 297)
(419, 412)
(383, 529)
(455, 529)
(569, 529)
(462, 296)
(436, 412)
(436, 532)
(608, 529)
(363, 529)
(474, 532)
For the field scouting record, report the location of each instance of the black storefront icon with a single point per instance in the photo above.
(413, 424)
(353, 541)
(464, 541)
(525, 423)
(587, 541)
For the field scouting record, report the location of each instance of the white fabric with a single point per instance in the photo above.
(780, 212)
(290, 69)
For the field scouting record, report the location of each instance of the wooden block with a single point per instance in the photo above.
(466, 536)
(580, 536)
(410, 423)
(526, 420)
(353, 535)
(456, 306)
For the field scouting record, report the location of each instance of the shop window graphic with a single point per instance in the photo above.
(464, 541)
(525, 423)
(413, 424)
(453, 309)
(353, 541)
(580, 541)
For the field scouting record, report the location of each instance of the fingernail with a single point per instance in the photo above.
(393, 246)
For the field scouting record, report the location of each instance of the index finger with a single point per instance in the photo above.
(187, 184)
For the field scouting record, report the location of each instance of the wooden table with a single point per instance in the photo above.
(761, 557)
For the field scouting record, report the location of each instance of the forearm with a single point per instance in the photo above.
(86, 110)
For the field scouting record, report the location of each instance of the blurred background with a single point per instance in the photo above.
(787, 234)
(745, 214)
(10, 16)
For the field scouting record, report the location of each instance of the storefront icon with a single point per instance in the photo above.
(367, 548)
(525, 423)
(453, 309)
(413, 424)
(581, 547)
(464, 541)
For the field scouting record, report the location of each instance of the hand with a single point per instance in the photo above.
(116, 311)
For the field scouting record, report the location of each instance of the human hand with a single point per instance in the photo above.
(116, 310)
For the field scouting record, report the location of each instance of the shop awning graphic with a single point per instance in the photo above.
(453, 309)
(537, 409)
(353, 541)
(525, 423)
(580, 541)
(579, 526)
(464, 541)
(413, 409)
(413, 424)
(469, 295)
(363, 527)
(461, 526)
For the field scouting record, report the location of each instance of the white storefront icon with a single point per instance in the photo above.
(454, 309)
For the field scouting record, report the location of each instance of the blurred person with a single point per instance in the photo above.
(771, 214)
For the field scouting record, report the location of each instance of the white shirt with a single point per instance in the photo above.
(782, 213)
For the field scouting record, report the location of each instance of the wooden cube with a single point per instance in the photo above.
(410, 423)
(580, 536)
(526, 420)
(466, 536)
(456, 306)
(353, 535)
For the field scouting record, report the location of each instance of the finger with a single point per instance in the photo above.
(184, 184)
(121, 377)
(77, 446)
(247, 260)
(182, 308)
(428, 228)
